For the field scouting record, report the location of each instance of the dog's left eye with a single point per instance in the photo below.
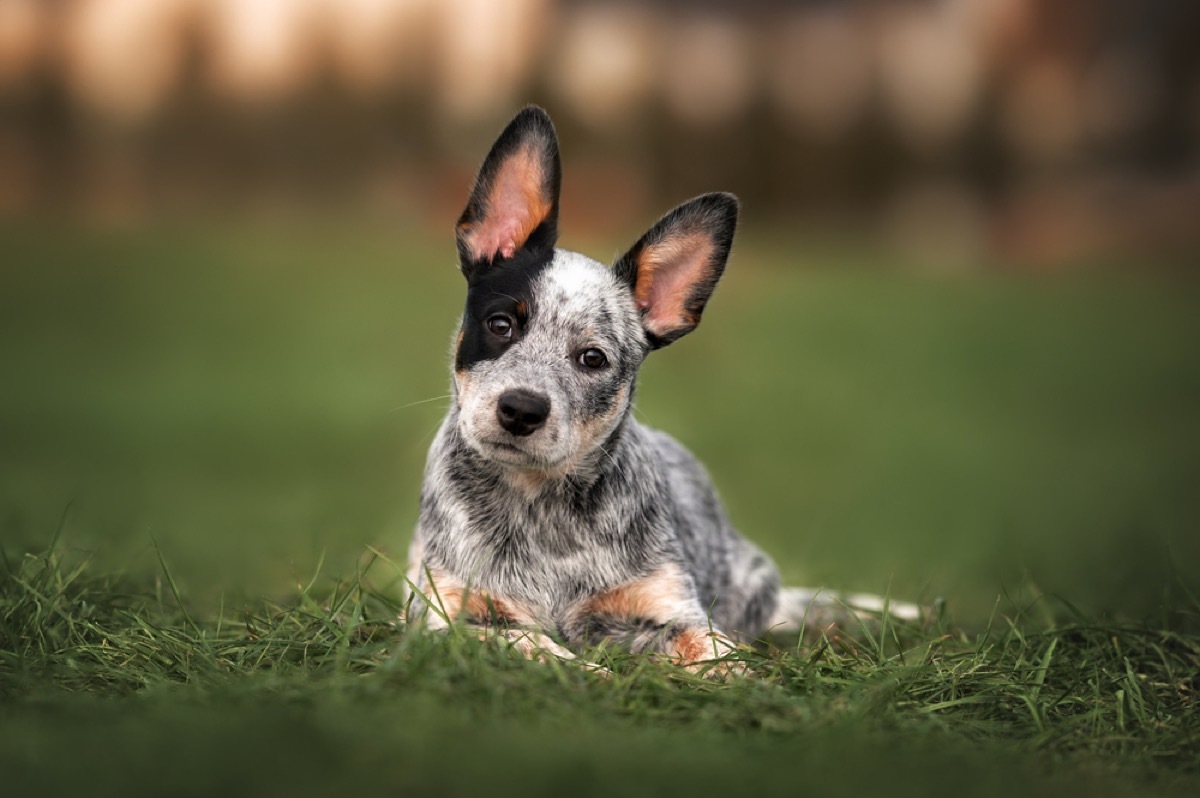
(500, 326)
(593, 359)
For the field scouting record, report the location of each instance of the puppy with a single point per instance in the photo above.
(549, 516)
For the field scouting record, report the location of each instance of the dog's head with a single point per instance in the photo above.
(551, 341)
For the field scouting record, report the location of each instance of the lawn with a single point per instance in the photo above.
(222, 429)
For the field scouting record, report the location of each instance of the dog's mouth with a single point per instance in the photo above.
(504, 446)
(510, 454)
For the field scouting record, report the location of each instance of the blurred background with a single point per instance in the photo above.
(955, 352)
(1037, 131)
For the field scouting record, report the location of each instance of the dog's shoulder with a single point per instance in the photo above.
(686, 476)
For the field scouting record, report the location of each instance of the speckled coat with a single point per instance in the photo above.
(548, 514)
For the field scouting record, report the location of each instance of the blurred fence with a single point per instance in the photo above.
(1042, 131)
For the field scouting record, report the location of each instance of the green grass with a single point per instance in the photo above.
(111, 687)
(253, 404)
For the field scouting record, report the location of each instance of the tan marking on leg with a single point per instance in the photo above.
(490, 616)
(485, 608)
(661, 597)
(665, 596)
(449, 596)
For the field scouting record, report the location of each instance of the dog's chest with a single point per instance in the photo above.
(546, 552)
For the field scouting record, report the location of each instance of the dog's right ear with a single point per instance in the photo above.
(514, 205)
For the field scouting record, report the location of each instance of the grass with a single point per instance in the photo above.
(235, 415)
(336, 693)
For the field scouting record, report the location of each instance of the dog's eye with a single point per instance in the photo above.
(593, 359)
(500, 326)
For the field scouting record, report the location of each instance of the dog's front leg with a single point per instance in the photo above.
(447, 600)
(656, 613)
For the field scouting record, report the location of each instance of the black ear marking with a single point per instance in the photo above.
(513, 205)
(673, 269)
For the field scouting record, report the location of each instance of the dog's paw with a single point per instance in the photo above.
(719, 670)
(540, 648)
(705, 652)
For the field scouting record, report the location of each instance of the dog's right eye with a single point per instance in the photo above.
(500, 326)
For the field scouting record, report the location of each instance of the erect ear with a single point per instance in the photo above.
(673, 269)
(514, 203)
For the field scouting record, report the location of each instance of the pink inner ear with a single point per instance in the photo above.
(667, 271)
(515, 207)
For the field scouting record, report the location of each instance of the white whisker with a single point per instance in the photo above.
(421, 402)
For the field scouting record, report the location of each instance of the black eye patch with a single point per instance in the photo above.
(498, 309)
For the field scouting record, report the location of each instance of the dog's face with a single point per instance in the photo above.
(545, 361)
(551, 341)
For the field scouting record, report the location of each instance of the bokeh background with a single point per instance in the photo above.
(955, 352)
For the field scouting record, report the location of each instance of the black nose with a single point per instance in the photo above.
(521, 412)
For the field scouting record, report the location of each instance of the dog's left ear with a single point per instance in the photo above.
(673, 269)
(514, 204)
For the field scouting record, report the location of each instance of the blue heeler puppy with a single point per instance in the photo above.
(549, 515)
